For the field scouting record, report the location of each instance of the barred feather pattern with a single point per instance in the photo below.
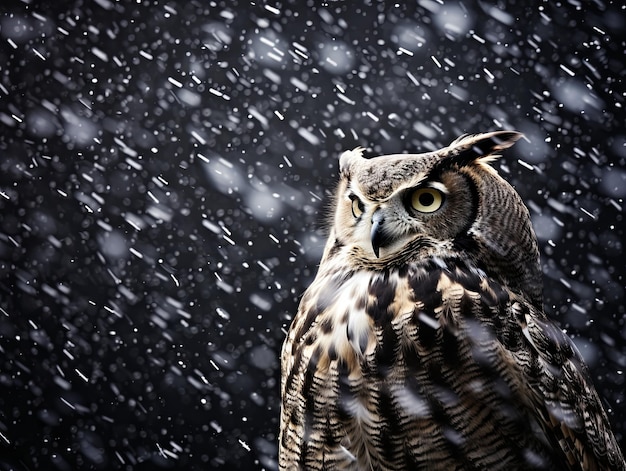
(452, 371)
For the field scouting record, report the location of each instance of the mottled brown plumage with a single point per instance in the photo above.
(422, 342)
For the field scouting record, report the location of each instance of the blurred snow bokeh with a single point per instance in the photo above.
(163, 172)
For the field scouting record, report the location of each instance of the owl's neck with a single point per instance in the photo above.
(422, 252)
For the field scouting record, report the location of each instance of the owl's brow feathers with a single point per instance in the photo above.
(377, 182)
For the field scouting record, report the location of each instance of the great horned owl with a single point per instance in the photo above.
(422, 342)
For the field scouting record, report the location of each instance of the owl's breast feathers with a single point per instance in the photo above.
(434, 365)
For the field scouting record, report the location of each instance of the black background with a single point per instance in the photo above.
(163, 172)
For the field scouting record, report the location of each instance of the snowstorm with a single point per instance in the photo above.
(165, 174)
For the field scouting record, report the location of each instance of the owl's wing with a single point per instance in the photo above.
(508, 362)
(567, 405)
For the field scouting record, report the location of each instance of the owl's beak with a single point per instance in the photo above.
(378, 235)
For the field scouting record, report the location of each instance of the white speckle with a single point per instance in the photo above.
(259, 117)
(526, 164)
(67, 403)
(429, 321)
(411, 403)
(262, 303)
(412, 77)
(424, 130)
(567, 70)
(501, 15)
(345, 99)
(100, 54)
(222, 313)
(174, 82)
(154, 198)
(198, 137)
(244, 445)
(309, 136)
(135, 252)
(296, 82)
(189, 97)
(587, 213)
(478, 38)
(174, 279)
(39, 54)
(372, 116)
(82, 376)
(272, 9)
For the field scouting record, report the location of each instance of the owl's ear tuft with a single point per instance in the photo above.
(469, 148)
(348, 158)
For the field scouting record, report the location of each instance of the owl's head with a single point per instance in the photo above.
(395, 209)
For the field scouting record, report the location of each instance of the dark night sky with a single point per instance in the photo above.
(164, 168)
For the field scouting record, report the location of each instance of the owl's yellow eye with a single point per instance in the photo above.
(357, 207)
(426, 200)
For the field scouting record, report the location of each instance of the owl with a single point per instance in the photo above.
(422, 342)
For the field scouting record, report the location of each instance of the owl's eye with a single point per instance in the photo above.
(426, 200)
(357, 207)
